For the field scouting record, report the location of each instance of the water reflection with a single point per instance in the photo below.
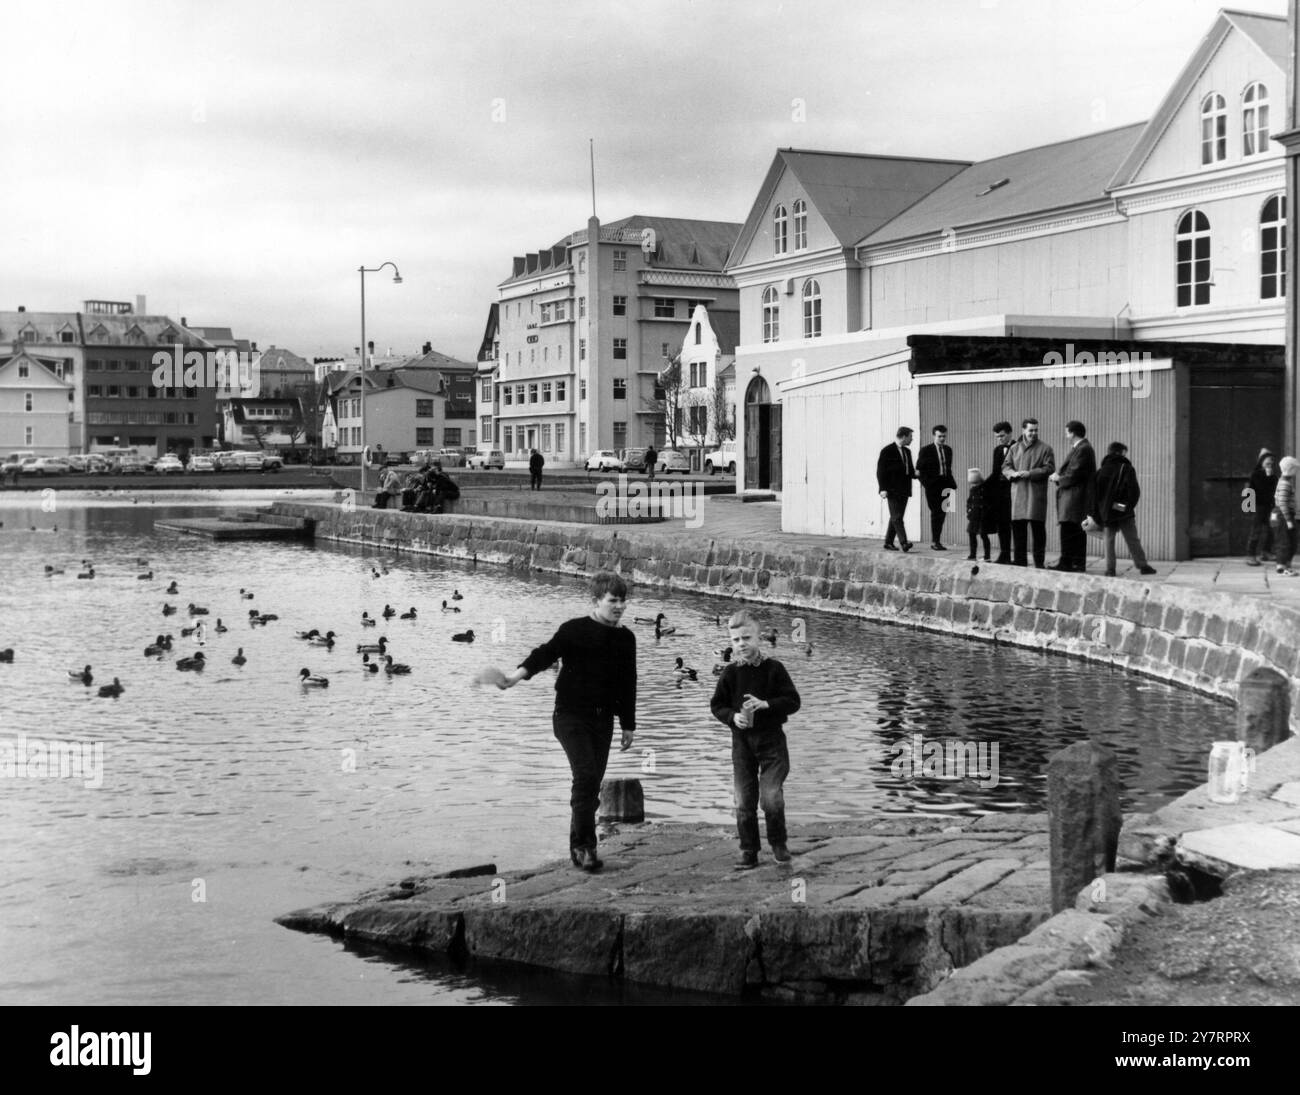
(274, 796)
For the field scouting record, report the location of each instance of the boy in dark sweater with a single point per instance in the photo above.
(754, 697)
(597, 681)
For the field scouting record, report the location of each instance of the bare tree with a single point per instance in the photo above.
(670, 397)
(257, 432)
(721, 411)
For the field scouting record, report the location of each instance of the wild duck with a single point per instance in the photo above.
(173, 589)
(463, 637)
(368, 620)
(267, 617)
(718, 667)
(87, 573)
(146, 577)
(389, 612)
(307, 634)
(456, 596)
(50, 570)
(660, 629)
(81, 675)
(244, 595)
(220, 626)
(194, 663)
(373, 648)
(326, 640)
(769, 634)
(156, 648)
(408, 615)
(114, 689)
(196, 610)
(239, 658)
(392, 669)
(169, 610)
(450, 608)
(367, 665)
(7, 655)
(186, 632)
(308, 681)
(685, 672)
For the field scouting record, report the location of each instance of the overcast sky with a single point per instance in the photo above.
(236, 162)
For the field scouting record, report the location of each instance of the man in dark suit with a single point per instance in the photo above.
(894, 475)
(934, 469)
(998, 491)
(1073, 485)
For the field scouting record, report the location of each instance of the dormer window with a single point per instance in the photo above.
(167, 337)
(1254, 120)
(800, 225)
(780, 228)
(1214, 129)
(29, 334)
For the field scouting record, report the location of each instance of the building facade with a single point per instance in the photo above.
(35, 404)
(585, 327)
(708, 376)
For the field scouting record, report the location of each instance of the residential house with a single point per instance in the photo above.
(35, 402)
(708, 371)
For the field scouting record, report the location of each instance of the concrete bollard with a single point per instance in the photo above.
(1083, 818)
(1263, 709)
(621, 800)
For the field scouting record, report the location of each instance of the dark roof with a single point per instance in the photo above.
(46, 324)
(855, 194)
(489, 332)
(239, 410)
(726, 328)
(1051, 176)
(433, 360)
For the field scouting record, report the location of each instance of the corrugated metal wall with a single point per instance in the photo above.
(833, 431)
(1148, 425)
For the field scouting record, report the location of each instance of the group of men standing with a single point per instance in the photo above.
(1015, 494)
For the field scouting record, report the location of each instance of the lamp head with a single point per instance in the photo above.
(397, 279)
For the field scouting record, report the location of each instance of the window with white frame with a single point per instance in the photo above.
(771, 314)
(519, 393)
(620, 388)
(620, 306)
(1272, 248)
(532, 393)
(620, 260)
(582, 437)
(561, 390)
(780, 227)
(28, 401)
(546, 437)
(485, 391)
(29, 435)
(546, 313)
(1214, 129)
(620, 349)
(23, 370)
(1254, 120)
(582, 349)
(812, 309)
(582, 307)
(507, 437)
(507, 394)
(1193, 259)
(582, 389)
(559, 437)
(620, 435)
(800, 224)
(546, 391)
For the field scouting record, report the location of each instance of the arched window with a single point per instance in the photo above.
(1214, 129)
(812, 309)
(800, 225)
(1272, 248)
(780, 223)
(1193, 251)
(771, 314)
(1254, 120)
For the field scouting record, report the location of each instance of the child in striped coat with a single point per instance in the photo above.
(1284, 514)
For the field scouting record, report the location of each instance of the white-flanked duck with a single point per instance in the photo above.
(769, 634)
(307, 634)
(326, 640)
(368, 620)
(450, 608)
(308, 681)
(114, 689)
(684, 672)
(392, 669)
(87, 573)
(373, 648)
(81, 675)
(455, 595)
(195, 663)
(367, 665)
(463, 637)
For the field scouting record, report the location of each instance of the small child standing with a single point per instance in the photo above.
(754, 697)
(978, 511)
(1284, 510)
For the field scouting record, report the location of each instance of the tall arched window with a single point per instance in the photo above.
(1214, 129)
(780, 225)
(1193, 251)
(800, 224)
(771, 314)
(1272, 248)
(812, 309)
(1254, 120)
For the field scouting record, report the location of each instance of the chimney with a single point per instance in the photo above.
(184, 322)
(254, 345)
(428, 348)
(22, 307)
(139, 305)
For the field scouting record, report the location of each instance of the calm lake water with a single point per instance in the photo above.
(239, 786)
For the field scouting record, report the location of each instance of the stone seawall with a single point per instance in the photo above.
(1204, 641)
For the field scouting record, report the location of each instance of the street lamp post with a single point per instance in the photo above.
(397, 280)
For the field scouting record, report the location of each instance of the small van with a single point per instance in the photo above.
(488, 458)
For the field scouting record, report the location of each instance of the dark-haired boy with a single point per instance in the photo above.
(754, 697)
(597, 681)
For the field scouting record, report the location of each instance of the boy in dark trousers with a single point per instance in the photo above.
(597, 681)
(978, 511)
(754, 697)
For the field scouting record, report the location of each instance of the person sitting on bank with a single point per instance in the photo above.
(1263, 485)
(390, 489)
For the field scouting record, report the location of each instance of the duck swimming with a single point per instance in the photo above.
(239, 658)
(244, 595)
(463, 637)
(82, 675)
(409, 615)
(367, 665)
(373, 648)
(195, 663)
(660, 630)
(114, 689)
(769, 634)
(173, 588)
(186, 632)
(392, 669)
(7, 655)
(368, 620)
(195, 610)
(220, 626)
(156, 648)
(720, 666)
(684, 672)
(455, 595)
(49, 570)
(87, 574)
(169, 610)
(326, 640)
(306, 634)
(148, 577)
(308, 681)
(450, 608)
(389, 612)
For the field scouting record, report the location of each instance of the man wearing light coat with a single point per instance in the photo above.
(1028, 465)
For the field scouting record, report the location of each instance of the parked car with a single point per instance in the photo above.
(723, 458)
(604, 460)
(133, 465)
(96, 464)
(52, 465)
(671, 460)
(633, 459)
(205, 464)
(488, 458)
(170, 464)
(451, 458)
(79, 463)
(28, 466)
(272, 461)
(14, 461)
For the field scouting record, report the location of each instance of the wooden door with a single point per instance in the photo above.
(774, 446)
